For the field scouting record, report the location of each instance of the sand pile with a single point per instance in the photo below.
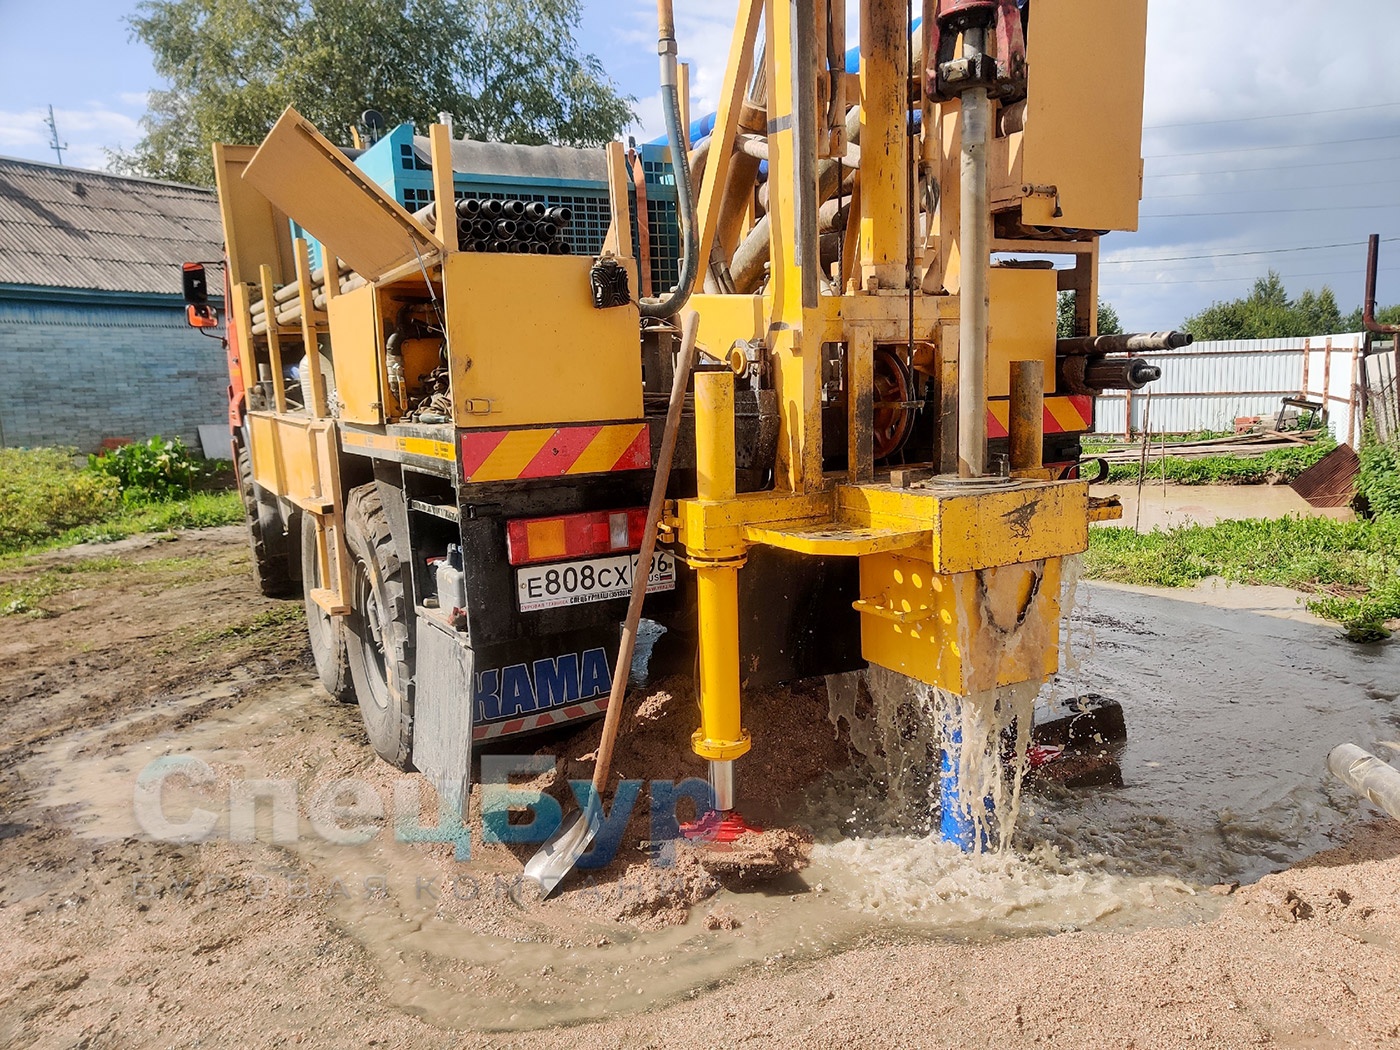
(654, 881)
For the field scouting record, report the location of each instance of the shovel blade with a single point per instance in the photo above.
(557, 857)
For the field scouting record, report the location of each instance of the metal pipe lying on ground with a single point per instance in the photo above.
(1367, 775)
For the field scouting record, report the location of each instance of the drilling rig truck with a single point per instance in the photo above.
(449, 365)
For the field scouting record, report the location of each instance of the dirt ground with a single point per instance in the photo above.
(159, 649)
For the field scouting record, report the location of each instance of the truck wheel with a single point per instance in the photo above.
(381, 663)
(327, 633)
(266, 534)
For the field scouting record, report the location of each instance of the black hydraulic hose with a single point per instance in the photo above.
(685, 196)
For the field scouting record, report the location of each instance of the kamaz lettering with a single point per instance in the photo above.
(521, 689)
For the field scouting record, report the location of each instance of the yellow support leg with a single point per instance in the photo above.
(721, 737)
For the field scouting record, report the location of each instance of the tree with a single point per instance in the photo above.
(1356, 322)
(1268, 313)
(1109, 324)
(507, 71)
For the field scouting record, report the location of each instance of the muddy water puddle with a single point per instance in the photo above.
(1230, 716)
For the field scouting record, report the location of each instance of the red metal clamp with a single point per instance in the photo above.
(1002, 73)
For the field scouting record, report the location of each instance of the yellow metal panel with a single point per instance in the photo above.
(309, 178)
(527, 346)
(356, 342)
(242, 324)
(413, 446)
(1084, 121)
(440, 140)
(966, 633)
(1066, 414)
(1026, 522)
(255, 233)
(1023, 320)
(725, 318)
(262, 441)
(296, 456)
(824, 539)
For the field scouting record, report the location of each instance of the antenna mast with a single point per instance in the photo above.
(53, 142)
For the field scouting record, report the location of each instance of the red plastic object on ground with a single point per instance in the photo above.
(715, 826)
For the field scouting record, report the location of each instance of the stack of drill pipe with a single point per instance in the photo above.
(485, 224)
(287, 302)
(512, 226)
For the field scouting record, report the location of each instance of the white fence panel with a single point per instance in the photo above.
(1206, 386)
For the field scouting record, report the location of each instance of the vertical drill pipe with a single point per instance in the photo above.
(955, 823)
(721, 737)
(976, 223)
(1027, 419)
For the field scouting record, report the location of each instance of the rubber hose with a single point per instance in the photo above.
(685, 200)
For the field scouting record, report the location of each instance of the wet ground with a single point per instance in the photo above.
(282, 935)
(1166, 506)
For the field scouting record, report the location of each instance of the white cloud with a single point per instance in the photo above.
(87, 131)
(1211, 187)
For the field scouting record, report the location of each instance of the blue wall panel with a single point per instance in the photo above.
(76, 373)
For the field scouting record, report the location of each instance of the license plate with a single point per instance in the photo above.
(594, 580)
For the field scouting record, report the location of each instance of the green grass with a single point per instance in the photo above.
(276, 618)
(1276, 467)
(1351, 567)
(47, 501)
(27, 596)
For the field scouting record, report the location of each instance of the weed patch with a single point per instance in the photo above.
(1351, 567)
(1276, 467)
(47, 501)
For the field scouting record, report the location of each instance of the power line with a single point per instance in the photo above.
(1272, 211)
(1262, 149)
(1241, 254)
(1227, 280)
(1271, 116)
(1272, 167)
(1271, 189)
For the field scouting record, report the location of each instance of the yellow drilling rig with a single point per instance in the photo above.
(446, 440)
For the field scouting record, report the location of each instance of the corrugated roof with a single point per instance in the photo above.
(527, 162)
(1331, 481)
(70, 228)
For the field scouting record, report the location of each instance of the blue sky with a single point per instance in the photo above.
(1315, 164)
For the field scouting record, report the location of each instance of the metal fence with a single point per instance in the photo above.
(1382, 390)
(1207, 386)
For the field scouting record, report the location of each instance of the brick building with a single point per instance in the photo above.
(93, 341)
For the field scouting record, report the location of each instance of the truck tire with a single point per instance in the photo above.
(272, 566)
(381, 660)
(326, 633)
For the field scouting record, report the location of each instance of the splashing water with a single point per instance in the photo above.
(900, 725)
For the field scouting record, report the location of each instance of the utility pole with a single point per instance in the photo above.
(53, 131)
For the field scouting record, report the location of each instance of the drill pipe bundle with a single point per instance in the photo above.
(485, 224)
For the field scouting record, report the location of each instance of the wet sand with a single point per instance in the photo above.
(1106, 932)
(1173, 505)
